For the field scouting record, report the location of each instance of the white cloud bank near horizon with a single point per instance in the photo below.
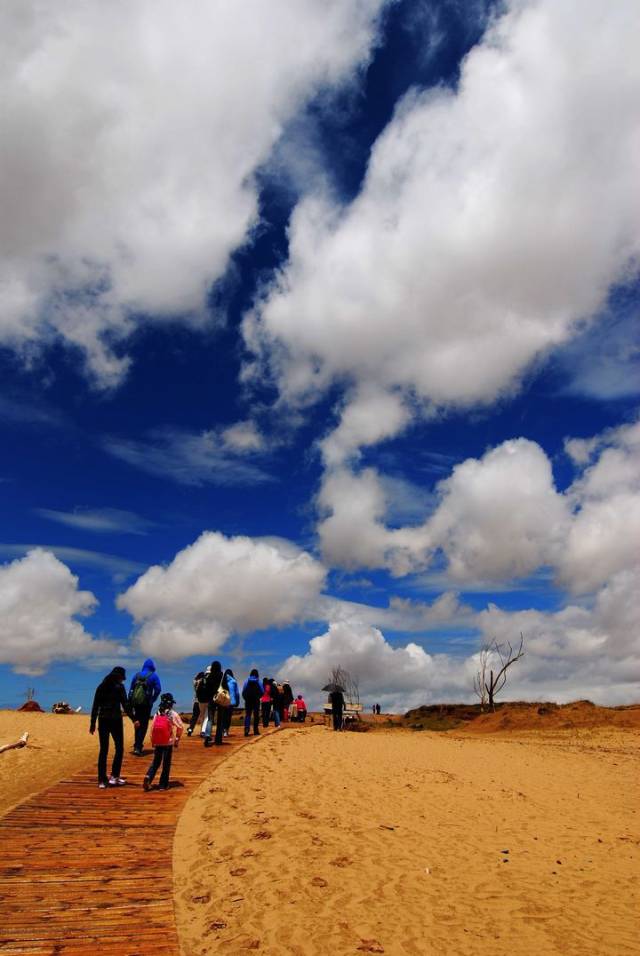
(501, 516)
(131, 133)
(576, 652)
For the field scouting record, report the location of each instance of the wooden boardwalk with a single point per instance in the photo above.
(86, 871)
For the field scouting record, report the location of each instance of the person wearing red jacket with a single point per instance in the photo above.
(300, 708)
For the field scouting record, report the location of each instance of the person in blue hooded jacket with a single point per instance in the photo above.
(144, 691)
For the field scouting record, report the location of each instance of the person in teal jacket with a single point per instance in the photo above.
(234, 694)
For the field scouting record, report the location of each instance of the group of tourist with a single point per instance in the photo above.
(216, 696)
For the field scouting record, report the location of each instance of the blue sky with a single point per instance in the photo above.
(321, 348)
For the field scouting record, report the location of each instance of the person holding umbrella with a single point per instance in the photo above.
(336, 699)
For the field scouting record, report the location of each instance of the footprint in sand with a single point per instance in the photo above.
(341, 861)
(239, 871)
(318, 881)
(205, 898)
(247, 853)
(370, 946)
(262, 835)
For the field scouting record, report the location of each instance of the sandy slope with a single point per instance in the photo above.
(316, 843)
(59, 744)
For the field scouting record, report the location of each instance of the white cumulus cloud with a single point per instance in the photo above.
(492, 218)
(131, 133)
(39, 604)
(500, 517)
(218, 586)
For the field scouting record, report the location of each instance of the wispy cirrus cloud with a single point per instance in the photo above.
(193, 458)
(119, 568)
(101, 520)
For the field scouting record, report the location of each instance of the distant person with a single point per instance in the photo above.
(252, 692)
(378, 709)
(213, 682)
(109, 703)
(266, 702)
(234, 694)
(300, 709)
(166, 731)
(277, 696)
(287, 700)
(276, 702)
(144, 691)
(336, 699)
(199, 709)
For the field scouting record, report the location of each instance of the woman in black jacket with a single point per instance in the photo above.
(109, 702)
(213, 681)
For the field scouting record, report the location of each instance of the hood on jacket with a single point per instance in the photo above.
(148, 665)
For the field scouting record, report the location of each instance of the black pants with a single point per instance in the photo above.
(199, 710)
(161, 755)
(227, 715)
(110, 727)
(215, 713)
(141, 712)
(252, 711)
(337, 719)
(266, 714)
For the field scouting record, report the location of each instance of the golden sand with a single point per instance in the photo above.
(59, 744)
(315, 843)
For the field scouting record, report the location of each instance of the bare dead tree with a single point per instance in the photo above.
(339, 675)
(494, 662)
(480, 679)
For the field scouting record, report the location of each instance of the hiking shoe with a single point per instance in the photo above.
(189, 732)
(146, 784)
(102, 786)
(137, 752)
(117, 781)
(208, 743)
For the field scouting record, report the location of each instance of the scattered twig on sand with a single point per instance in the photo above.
(19, 743)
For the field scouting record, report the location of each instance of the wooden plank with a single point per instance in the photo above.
(85, 870)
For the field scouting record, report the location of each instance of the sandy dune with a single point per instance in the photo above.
(59, 744)
(317, 843)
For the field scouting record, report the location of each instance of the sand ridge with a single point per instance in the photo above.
(317, 843)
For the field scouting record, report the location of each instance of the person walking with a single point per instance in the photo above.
(166, 731)
(234, 694)
(252, 691)
(266, 702)
(144, 691)
(199, 709)
(277, 701)
(300, 709)
(109, 703)
(336, 698)
(213, 680)
(287, 699)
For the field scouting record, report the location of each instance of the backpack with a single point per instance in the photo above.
(200, 687)
(161, 731)
(140, 692)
